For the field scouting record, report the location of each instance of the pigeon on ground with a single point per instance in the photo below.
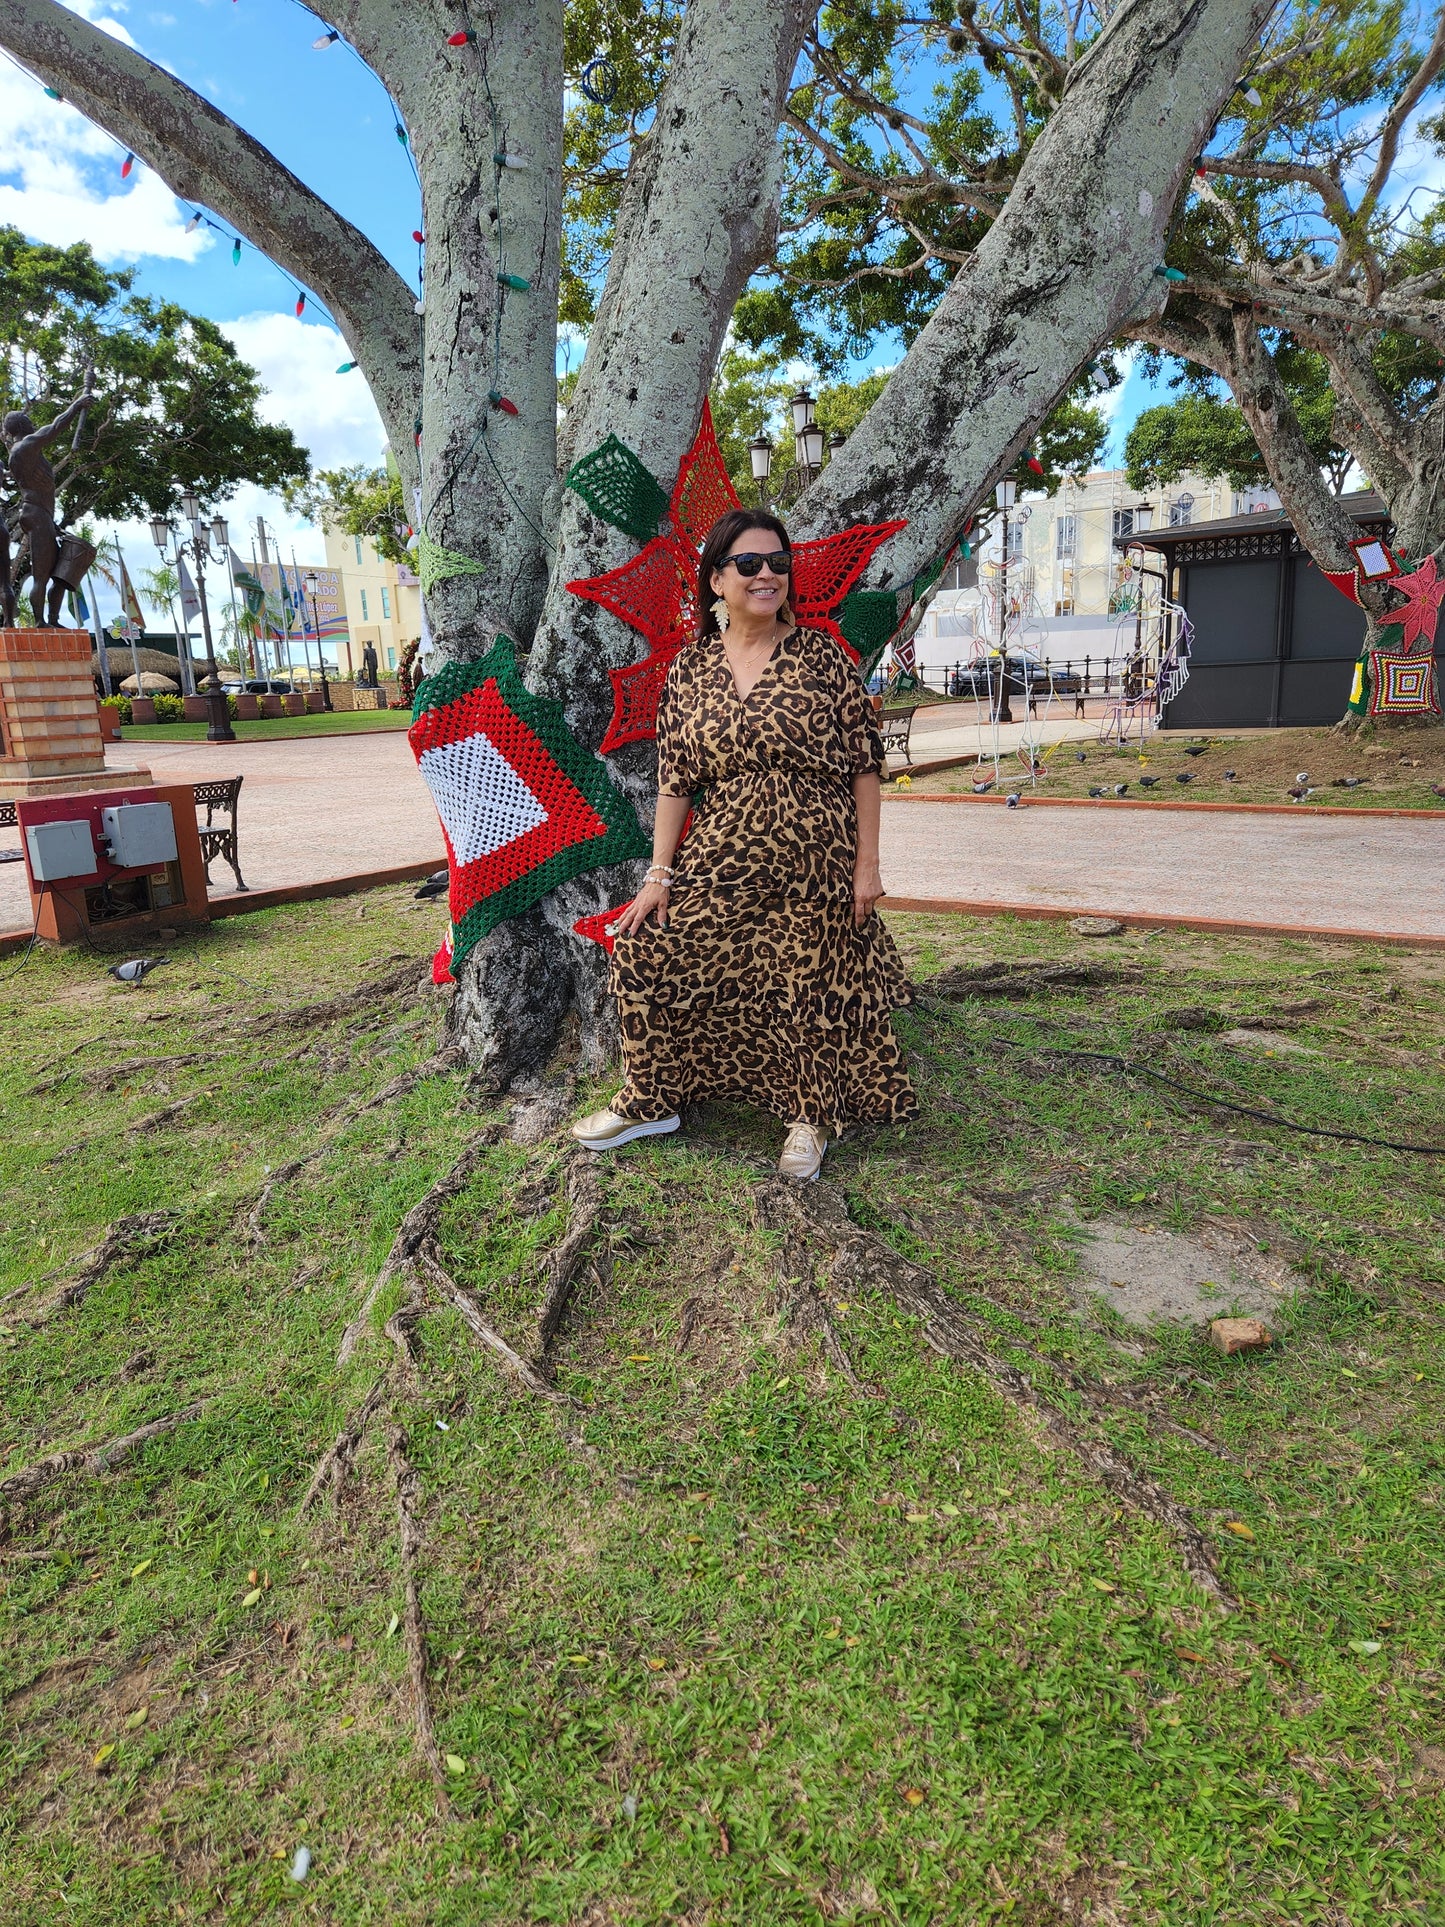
(1147, 782)
(1095, 790)
(435, 885)
(1121, 789)
(1186, 776)
(1195, 749)
(135, 969)
(982, 789)
(1302, 776)
(1436, 789)
(1012, 799)
(1080, 757)
(1346, 783)
(1301, 791)
(1229, 776)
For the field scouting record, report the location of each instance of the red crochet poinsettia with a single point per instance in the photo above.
(655, 593)
(1423, 591)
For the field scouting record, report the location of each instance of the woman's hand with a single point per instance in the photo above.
(651, 900)
(867, 888)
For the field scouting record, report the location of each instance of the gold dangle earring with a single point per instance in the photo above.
(720, 616)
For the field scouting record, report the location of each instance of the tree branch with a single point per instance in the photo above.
(907, 187)
(205, 157)
(1395, 120)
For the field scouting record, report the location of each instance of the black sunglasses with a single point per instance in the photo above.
(750, 563)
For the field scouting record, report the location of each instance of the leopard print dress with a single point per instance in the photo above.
(760, 987)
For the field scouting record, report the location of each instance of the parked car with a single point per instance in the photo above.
(259, 686)
(1025, 675)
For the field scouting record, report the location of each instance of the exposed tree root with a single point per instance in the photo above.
(446, 1059)
(1025, 980)
(815, 1223)
(283, 1174)
(339, 1458)
(92, 1459)
(428, 1260)
(135, 1236)
(105, 1077)
(585, 1196)
(401, 1327)
(157, 1120)
(413, 1624)
(419, 1224)
(406, 976)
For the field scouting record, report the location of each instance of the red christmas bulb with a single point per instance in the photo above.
(499, 400)
(417, 236)
(300, 302)
(1035, 465)
(126, 165)
(461, 37)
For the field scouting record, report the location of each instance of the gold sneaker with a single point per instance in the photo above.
(605, 1130)
(803, 1150)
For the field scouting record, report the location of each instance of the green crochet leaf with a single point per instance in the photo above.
(435, 564)
(615, 485)
(868, 618)
(924, 582)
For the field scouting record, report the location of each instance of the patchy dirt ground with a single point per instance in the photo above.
(1394, 769)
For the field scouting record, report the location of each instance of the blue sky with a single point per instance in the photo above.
(323, 114)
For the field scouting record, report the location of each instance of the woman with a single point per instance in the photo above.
(755, 966)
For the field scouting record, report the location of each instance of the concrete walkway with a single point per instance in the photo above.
(340, 806)
(1355, 872)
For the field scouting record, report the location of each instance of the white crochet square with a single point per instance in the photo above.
(480, 798)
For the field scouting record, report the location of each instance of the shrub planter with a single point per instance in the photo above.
(271, 706)
(248, 708)
(294, 704)
(315, 703)
(142, 709)
(196, 710)
(343, 697)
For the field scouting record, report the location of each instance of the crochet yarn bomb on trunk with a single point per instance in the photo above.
(655, 593)
(523, 805)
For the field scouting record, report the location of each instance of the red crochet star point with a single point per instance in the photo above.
(1424, 592)
(655, 592)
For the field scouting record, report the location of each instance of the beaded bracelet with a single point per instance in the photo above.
(660, 873)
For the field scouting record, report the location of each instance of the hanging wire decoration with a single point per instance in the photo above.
(599, 82)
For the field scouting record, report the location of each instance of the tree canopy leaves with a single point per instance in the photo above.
(175, 405)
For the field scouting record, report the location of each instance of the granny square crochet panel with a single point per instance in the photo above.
(655, 592)
(523, 805)
(1402, 685)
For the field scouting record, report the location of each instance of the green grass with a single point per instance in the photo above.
(697, 1636)
(355, 722)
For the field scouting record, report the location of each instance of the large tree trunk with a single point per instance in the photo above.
(1071, 259)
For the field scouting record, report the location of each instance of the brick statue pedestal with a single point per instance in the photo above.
(50, 740)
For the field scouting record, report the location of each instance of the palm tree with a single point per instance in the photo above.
(160, 587)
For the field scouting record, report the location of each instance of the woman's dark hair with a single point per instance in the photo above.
(725, 531)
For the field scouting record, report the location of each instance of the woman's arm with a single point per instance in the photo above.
(867, 879)
(651, 899)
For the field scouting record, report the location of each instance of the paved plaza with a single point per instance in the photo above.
(343, 806)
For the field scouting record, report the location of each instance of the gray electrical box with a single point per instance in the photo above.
(59, 850)
(140, 835)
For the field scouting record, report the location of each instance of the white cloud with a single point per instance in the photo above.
(332, 415)
(60, 179)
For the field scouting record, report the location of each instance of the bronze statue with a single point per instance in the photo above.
(30, 469)
(367, 678)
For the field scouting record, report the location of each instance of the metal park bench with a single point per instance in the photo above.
(219, 839)
(896, 730)
(8, 818)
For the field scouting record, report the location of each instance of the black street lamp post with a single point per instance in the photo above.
(807, 456)
(198, 548)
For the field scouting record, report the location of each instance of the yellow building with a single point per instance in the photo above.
(381, 600)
